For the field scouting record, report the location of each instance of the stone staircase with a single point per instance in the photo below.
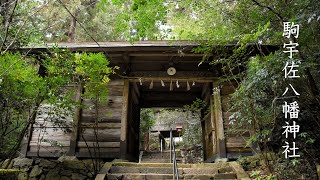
(153, 171)
(159, 157)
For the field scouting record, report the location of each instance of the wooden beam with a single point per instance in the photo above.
(124, 120)
(221, 142)
(136, 89)
(76, 122)
(169, 96)
(190, 79)
(153, 54)
(169, 104)
(200, 75)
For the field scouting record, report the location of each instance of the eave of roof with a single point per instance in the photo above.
(123, 46)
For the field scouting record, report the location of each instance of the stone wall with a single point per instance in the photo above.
(62, 169)
(192, 155)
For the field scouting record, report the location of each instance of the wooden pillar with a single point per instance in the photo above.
(213, 127)
(76, 123)
(217, 109)
(124, 121)
(204, 142)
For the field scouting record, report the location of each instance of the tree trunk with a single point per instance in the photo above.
(5, 4)
(72, 29)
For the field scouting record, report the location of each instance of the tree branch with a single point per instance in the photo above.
(269, 8)
(64, 6)
(8, 25)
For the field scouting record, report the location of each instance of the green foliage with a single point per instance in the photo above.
(251, 101)
(22, 89)
(94, 70)
(257, 102)
(19, 80)
(197, 106)
(138, 19)
(90, 70)
(256, 175)
(19, 31)
(306, 138)
(147, 120)
(19, 89)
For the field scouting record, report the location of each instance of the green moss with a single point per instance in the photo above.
(9, 174)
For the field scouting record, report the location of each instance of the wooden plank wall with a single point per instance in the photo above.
(94, 132)
(99, 132)
(50, 137)
(103, 132)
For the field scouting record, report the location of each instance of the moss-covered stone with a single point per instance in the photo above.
(77, 176)
(225, 169)
(89, 164)
(67, 158)
(73, 164)
(9, 174)
(47, 164)
(53, 174)
(5, 163)
(36, 171)
(22, 163)
(42, 177)
(23, 176)
(65, 172)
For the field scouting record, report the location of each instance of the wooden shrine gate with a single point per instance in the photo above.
(152, 74)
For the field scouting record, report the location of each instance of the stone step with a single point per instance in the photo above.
(159, 157)
(139, 176)
(218, 165)
(155, 160)
(159, 153)
(162, 170)
(153, 170)
(158, 161)
(224, 176)
(156, 155)
(150, 176)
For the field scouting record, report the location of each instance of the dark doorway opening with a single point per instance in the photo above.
(160, 126)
